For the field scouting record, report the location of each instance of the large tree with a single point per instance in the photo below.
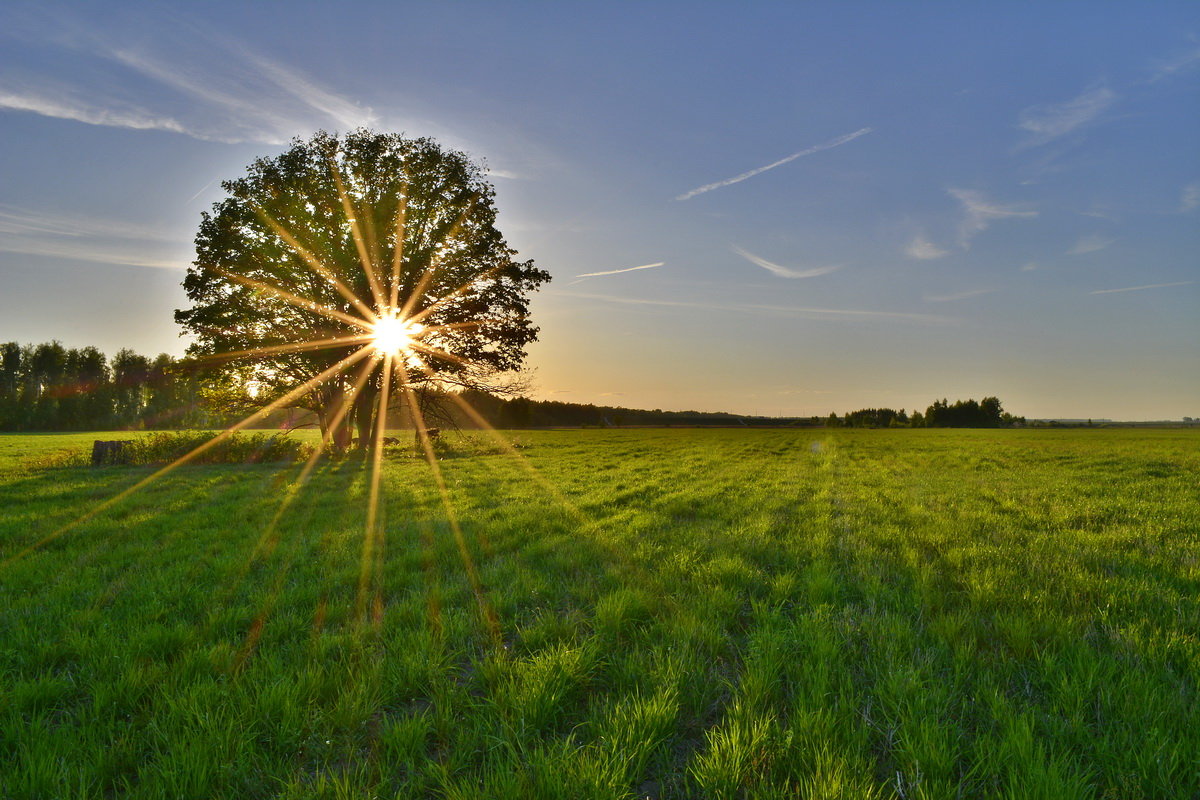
(358, 266)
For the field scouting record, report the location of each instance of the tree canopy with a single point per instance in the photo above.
(366, 248)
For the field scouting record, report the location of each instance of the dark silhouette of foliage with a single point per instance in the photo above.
(328, 210)
(48, 387)
(987, 413)
(875, 418)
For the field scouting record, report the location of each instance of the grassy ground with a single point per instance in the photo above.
(708, 614)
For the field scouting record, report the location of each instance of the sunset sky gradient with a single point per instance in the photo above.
(781, 209)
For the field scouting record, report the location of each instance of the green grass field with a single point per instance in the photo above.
(679, 613)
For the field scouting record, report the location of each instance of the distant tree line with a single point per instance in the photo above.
(521, 412)
(986, 413)
(48, 387)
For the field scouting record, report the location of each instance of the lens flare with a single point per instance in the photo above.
(392, 335)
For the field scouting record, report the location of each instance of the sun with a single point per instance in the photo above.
(394, 335)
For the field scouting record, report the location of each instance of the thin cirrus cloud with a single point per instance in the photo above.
(782, 271)
(59, 103)
(1089, 244)
(100, 254)
(346, 112)
(619, 271)
(841, 140)
(1167, 67)
(980, 213)
(16, 221)
(257, 99)
(1047, 122)
(101, 241)
(214, 91)
(808, 312)
(950, 298)
(1140, 288)
(1189, 198)
(922, 249)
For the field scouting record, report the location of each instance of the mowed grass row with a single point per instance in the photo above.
(676, 613)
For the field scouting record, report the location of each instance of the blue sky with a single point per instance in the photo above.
(850, 204)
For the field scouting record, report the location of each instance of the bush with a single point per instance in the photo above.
(238, 448)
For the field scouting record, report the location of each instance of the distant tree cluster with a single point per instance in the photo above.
(876, 418)
(985, 413)
(521, 412)
(49, 387)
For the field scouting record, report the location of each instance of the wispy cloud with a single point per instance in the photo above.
(1139, 288)
(345, 112)
(619, 271)
(1189, 197)
(784, 272)
(1052, 120)
(800, 311)
(949, 298)
(82, 251)
(924, 250)
(59, 104)
(505, 174)
(841, 140)
(1089, 244)
(24, 222)
(980, 213)
(216, 90)
(102, 241)
(1029, 266)
(255, 98)
(1166, 67)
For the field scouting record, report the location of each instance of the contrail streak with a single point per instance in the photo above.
(619, 271)
(841, 140)
(782, 271)
(1139, 288)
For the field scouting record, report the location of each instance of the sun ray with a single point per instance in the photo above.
(356, 234)
(280, 402)
(121, 581)
(507, 446)
(315, 264)
(296, 347)
(298, 301)
(645, 578)
(456, 293)
(485, 608)
(293, 491)
(373, 531)
(461, 326)
(533, 471)
(435, 260)
(270, 599)
(398, 248)
(440, 353)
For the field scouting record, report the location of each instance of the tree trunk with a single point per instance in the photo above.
(339, 436)
(364, 416)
